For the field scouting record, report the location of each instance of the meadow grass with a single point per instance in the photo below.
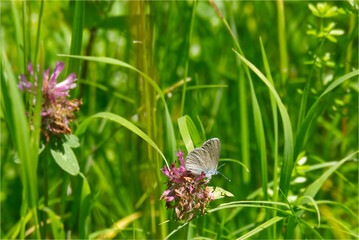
(275, 81)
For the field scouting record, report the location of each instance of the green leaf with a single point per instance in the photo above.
(170, 135)
(261, 227)
(124, 122)
(287, 166)
(73, 65)
(72, 141)
(313, 189)
(315, 205)
(234, 160)
(87, 201)
(260, 139)
(56, 225)
(66, 159)
(186, 137)
(318, 236)
(14, 110)
(189, 133)
(219, 193)
(315, 110)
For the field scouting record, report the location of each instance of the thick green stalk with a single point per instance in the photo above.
(23, 211)
(73, 65)
(148, 100)
(38, 30)
(45, 159)
(244, 126)
(275, 128)
(18, 36)
(187, 56)
(282, 42)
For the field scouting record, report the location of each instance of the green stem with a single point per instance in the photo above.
(24, 35)
(46, 191)
(65, 183)
(23, 216)
(38, 30)
(37, 225)
(187, 57)
(282, 43)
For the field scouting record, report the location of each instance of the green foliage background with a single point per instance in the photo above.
(311, 62)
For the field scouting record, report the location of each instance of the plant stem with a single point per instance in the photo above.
(282, 43)
(37, 224)
(46, 191)
(38, 30)
(187, 57)
(23, 215)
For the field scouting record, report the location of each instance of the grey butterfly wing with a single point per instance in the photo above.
(213, 147)
(197, 161)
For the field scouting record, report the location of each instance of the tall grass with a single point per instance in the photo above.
(159, 76)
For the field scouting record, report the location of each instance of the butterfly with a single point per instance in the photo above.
(205, 159)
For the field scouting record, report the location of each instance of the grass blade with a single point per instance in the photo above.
(236, 161)
(275, 129)
(182, 125)
(124, 122)
(189, 133)
(315, 110)
(287, 126)
(76, 39)
(56, 225)
(187, 55)
(13, 107)
(261, 227)
(38, 31)
(18, 36)
(313, 189)
(282, 42)
(169, 126)
(315, 205)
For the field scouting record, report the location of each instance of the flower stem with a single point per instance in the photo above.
(46, 191)
(24, 206)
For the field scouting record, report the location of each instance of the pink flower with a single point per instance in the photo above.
(186, 193)
(50, 87)
(57, 111)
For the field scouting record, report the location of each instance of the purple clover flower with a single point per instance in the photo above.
(50, 87)
(187, 193)
(57, 110)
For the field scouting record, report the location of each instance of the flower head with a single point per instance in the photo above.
(187, 193)
(57, 111)
(50, 87)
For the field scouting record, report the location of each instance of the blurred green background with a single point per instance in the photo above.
(156, 37)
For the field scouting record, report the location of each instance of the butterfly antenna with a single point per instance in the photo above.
(224, 176)
(221, 166)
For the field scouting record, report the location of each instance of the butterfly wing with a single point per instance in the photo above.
(197, 161)
(213, 147)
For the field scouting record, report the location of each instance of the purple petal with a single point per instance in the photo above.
(170, 198)
(66, 122)
(166, 192)
(58, 69)
(45, 77)
(45, 113)
(24, 83)
(59, 93)
(176, 172)
(67, 83)
(202, 176)
(31, 70)
(166, 172)
(52, 97)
